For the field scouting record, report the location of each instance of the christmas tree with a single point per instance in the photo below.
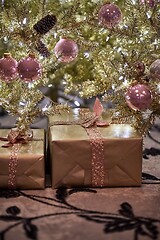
(93, 48)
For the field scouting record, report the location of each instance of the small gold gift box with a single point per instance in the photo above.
(29, 172)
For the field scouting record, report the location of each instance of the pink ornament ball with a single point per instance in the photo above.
(29, 68)
(8, 68)
(109, 15)
(66, 50)
(149, 3)
(139, 97)
(155, 70)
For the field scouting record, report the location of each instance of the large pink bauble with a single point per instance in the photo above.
(139, 97)
(109, 15)
(29, 68)
(66, 50)
(8, 68)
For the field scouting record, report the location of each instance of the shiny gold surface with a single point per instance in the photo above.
(76, 132)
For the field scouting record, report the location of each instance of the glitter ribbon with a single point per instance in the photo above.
(12, 166)
(15, 140)
(88, 121)
(97, 161)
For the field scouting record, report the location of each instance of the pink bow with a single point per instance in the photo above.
(15, 137)
(89, 119)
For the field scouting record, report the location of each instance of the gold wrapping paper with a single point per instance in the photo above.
(30, 168)
(71, 154)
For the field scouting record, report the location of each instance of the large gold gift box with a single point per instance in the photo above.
(30, 162)
(71, 154)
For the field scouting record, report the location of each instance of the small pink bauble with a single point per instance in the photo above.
(149, 3)
(66, 50)
(109, 15)
(29, 69)
(155, 69)
(139, 97)
(8, 68)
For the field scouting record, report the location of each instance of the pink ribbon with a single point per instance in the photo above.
(90, 122)
(97, 160)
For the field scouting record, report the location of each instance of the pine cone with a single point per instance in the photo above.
(42, 49)
(140, 67)
(45, 24)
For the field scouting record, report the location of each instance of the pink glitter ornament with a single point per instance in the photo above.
(139, 97)
(66, 50)
(109, 15)
(8, 68)
(29, 68)
(149, 3)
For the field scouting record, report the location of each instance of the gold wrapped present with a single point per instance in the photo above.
(22, 163)
(77, 158)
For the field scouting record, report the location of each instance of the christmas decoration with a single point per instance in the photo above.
(155, 69)
(140, 67)
(8, 68)
(139, 97)
(109, 15)
(42, 49)
(29, 69)
(149, 3)
(45, 24)
(66, 50)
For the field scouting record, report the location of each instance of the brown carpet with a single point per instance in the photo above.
(109, 213)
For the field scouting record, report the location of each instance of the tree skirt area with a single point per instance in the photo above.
(109, 213)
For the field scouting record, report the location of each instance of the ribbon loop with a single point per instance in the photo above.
(88, 119)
